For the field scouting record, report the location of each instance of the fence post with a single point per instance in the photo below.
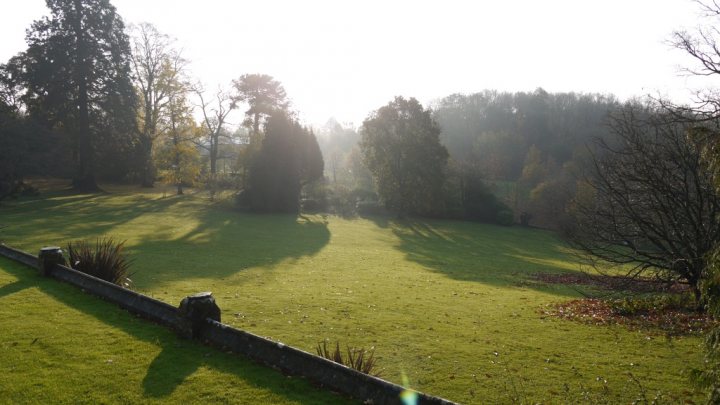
(193, 311)
(47, 259)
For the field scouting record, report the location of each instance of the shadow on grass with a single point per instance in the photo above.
(183, 238)
(225, 243)
(179, 358)
(495, 255)
(76, 216)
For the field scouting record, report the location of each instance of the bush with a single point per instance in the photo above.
(358, 359)
(504, 217)
(644, 305)
(104, 259)
(480, 204)
(342, 201)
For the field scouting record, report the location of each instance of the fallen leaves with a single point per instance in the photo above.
(604, 312)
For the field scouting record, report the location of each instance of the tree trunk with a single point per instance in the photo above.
(146, 142)
(85, 179)
(148, 171)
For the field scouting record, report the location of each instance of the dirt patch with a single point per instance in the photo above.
(614, 283)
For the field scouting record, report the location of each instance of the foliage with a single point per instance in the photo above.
(653, 207)
(356, 358)
(178, 157)
(702, 47)
(215, 114)
(86, 92)
(263, 95)
(105, 259)
(401, 147)
(288, 160)
(159, 78)
(526, 139)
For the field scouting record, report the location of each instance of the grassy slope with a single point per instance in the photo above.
(445, 303)
(62, 346)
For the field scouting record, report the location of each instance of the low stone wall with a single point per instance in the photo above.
(289, 360)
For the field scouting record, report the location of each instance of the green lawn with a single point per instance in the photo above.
(62, 346)
(447, 304)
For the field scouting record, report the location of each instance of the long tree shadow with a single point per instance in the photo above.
(225, 243)
(171, 238)
(495, 255)
(179, 358)
(66, 217)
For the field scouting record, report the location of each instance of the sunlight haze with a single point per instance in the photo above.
(345, 59)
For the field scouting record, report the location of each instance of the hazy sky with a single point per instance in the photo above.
(346, 58)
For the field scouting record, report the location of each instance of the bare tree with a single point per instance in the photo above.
(215, 114)
(159, 77)
(648, 205)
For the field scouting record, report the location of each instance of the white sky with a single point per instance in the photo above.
(345, 58)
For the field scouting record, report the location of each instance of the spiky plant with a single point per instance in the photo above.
(357, 358)
(104, 259)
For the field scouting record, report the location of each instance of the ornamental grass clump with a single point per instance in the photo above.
(358, 359)
(104, 259)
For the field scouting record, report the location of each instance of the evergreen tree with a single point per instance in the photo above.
(289, 159)
(77, 74)
(401, 147)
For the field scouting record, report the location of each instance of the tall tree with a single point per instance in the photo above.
(77, 71)
(703, 47)
(215, 114)
(178, 157)
(289, 159)
(401, 147)
(159, 78)
(264, 95)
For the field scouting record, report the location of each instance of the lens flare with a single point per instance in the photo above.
(408, 396)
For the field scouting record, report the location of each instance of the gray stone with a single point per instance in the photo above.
(48, 258)
(194, 310)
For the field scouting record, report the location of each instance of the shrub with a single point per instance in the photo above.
(644, 305)
(342, 200)
(104, 259)
(358, 359)
(504, 217)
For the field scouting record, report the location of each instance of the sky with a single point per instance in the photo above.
(344, 59)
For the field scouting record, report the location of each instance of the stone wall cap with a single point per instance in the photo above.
(201, 295)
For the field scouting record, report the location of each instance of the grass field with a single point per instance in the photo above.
(448, 305)
(60, 345)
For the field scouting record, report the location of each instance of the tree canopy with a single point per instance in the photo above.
(401, 147)
(77, 75)
(288, 159)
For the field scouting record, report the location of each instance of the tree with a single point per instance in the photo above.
(178, 157)
(401, 147)
(264, 95)
(289, 159)
(704, 49)
(214, 117)
(652, 206)
(77, 74)
(158, 76)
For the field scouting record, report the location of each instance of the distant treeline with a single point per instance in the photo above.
(528, 149)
